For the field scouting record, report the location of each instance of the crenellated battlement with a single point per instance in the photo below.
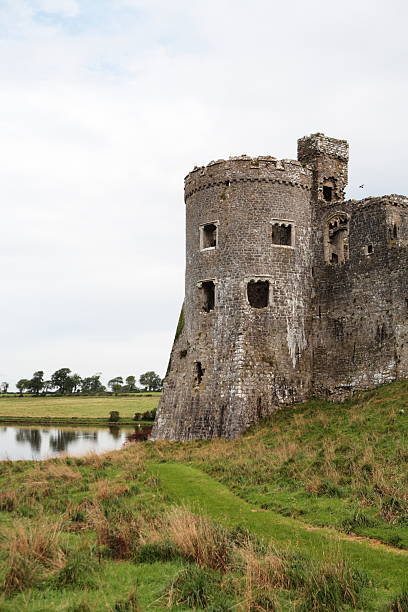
(243, 169)
(290, 291)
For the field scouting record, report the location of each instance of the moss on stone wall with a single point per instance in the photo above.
(180, 324)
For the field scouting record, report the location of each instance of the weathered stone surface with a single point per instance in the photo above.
(335, 318)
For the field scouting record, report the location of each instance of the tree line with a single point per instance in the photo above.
(65, 382)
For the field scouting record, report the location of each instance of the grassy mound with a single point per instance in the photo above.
(222, 525)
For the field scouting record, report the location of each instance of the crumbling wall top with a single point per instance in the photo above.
(316, 145)
(246, 168)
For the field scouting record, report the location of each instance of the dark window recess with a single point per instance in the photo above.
(209, 238)
(198, 372)
(395, 231)
(183, 353)
(258, 293)
(369, 249)
(337, 239)
(208, 295)
(282, 234)
(327, 193)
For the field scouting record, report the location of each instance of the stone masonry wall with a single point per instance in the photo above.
(336, 318)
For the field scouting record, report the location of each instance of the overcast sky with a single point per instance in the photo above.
(107, 104)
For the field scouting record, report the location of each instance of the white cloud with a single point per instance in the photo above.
(66, 8)
(99, 129)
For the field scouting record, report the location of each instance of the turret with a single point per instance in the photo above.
(328, 158)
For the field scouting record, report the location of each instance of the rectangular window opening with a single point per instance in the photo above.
(282, 233)
(258, 293)
(209, 236)
(208, 295)
(327, 193)
(198, 372)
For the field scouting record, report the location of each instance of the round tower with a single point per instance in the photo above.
(242, 343)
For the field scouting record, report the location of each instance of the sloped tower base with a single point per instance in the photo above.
(290, 291)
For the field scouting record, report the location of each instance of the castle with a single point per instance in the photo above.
(290, 292)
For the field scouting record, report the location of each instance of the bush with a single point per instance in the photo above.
(114, 416)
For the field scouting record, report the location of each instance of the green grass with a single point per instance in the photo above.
(342, 466)
(75, 406)
(388, 568)
(305, 481)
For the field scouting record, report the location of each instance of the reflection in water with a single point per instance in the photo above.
(140, 434)
(62, 439)
(32, 436)
(114, 430)
(39, 443)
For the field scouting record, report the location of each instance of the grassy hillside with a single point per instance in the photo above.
(339, 465)
(264, 523)
(76, 406)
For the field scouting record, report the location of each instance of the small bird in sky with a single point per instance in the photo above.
(361, 186)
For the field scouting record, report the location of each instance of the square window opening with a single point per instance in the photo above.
(258, 293)
(282, 234)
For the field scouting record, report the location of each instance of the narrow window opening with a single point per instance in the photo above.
(208, 295)
(198, 372)
(282, 234)
(406, 303)
(336, 245)
(209, 236)
(258, 293)
(395, 231)
(370, 249)
(327, 193)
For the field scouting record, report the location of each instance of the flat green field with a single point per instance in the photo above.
(78, 407)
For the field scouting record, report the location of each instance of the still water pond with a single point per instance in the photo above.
(36, 443)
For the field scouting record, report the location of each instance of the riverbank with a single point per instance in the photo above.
(75, 410)
(72, 421)
(307, 511)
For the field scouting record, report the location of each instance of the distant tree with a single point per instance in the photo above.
(59, 379)
(151, 381)
(47, 386)
(22, 385)
(131, 383)
(92, 384)
(4, 386)
(115, 384)
(37, 382)
(72, 383)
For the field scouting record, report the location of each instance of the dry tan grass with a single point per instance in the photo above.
(106, 489)
(196, 538)
(9, 500)
(33, 554)
(120, 535)
(53, 470)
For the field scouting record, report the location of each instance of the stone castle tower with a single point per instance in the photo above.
(291, 291)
